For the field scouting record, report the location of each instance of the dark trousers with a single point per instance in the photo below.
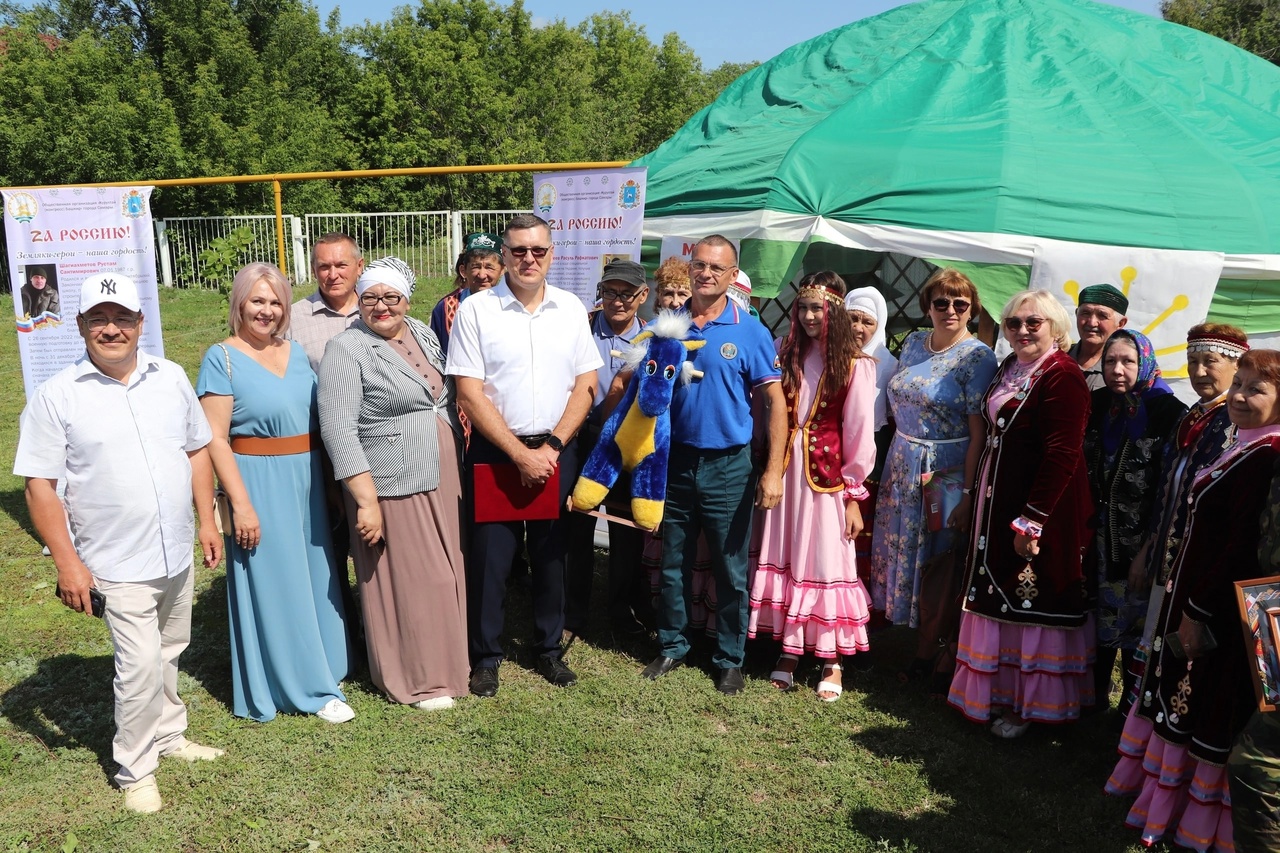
(340, 532)
(628, 589)
(493, 547)
(709, 492)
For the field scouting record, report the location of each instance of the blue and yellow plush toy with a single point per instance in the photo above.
(637, 436)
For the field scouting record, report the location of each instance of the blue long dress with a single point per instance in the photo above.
(931, 396)
(288, 643)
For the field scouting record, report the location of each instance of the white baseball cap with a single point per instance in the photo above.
(110, 287)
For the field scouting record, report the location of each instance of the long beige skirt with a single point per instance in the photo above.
(413, 591)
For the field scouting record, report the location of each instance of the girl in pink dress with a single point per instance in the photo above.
(805, 590)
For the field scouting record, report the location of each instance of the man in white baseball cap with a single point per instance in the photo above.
(127, 432)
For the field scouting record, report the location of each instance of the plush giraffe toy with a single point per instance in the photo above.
(637, 436)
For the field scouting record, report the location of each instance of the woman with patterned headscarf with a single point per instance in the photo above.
(1133, 417)
(390, 424)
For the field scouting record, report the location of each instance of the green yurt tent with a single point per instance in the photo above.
(974, 133)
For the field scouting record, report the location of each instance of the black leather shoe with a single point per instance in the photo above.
(484, 682)
(730, 681)
(660, 666)
(553, 669)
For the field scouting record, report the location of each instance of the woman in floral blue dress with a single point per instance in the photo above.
(936, 399)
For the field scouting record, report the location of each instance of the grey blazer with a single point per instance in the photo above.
(378, 415)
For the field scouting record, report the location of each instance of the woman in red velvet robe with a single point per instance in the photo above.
(1025, 645)
(1192, 706)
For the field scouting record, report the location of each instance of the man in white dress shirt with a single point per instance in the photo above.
(525, 366)
(129, 434)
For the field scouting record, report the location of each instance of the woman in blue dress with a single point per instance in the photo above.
(936, 400)
(288, 643)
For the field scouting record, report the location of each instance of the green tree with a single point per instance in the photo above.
(1250, 24)
(79, 110)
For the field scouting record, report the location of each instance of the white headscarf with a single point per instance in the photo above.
(867, 300)
(392, 272)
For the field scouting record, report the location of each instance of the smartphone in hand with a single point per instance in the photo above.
(1174, 643)
(97, 601)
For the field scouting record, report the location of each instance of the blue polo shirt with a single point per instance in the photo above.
(714, 412)
(607, 342)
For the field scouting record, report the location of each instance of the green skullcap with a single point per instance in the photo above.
(1104, 294)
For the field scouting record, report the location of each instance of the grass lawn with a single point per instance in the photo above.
(615, 763)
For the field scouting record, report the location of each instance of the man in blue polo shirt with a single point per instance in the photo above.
(711, 480)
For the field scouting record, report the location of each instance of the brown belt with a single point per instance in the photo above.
(283, 446)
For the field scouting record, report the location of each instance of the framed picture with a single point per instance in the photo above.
(1259, 603)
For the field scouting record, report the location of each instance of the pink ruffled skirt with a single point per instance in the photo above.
(1173, 790)
(1043, 674)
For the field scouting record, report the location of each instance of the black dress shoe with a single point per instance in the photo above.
(730, 681)
(553, 669)
(484, 681)
(660, 666)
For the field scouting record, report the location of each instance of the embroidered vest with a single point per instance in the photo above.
(822, 435)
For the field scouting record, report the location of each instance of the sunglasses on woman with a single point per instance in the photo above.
(1015, 324)
(961, 305)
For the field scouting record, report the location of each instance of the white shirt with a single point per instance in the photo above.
(529, 361)
(123, 448)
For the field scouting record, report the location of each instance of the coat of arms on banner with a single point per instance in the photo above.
(1168, 291)
(133, 204)
(22, 206)
(629, 195)
(546, 197)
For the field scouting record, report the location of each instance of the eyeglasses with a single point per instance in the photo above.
(615, 296)
(97, 323)
(1015, 324)
(536, 251)
(387, 299)
(961, 305)
(716, 269)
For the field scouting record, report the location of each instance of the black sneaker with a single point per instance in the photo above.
(553, 669)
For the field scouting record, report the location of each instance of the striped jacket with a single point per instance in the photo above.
(378, 415)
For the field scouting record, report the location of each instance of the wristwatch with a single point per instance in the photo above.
(554, 442)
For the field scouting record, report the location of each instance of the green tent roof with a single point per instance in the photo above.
(1061, 119)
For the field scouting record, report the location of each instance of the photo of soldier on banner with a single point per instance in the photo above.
(59, 237)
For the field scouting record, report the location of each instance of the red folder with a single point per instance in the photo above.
(500, 496)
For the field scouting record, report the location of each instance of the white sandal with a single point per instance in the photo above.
(825, 686)
(1008, 730)
(782, 676)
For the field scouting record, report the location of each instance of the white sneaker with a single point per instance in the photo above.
(192, 751)
(143, 796)
(439, 703)
(336, 711)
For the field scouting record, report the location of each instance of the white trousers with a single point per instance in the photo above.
(150, 625)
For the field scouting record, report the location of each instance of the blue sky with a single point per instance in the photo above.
(717, 30)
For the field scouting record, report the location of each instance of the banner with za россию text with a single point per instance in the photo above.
(596, 216)
(59, 237)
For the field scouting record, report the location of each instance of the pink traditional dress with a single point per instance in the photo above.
(1026, 630)
(1177, 737)
(805, 590)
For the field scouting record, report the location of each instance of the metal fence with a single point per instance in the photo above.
(206, 251)
(419, 238)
